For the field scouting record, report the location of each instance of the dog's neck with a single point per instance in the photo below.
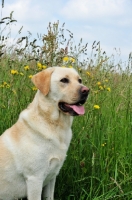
(58, 122)
(51, 112)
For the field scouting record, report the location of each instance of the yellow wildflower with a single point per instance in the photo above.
(14, 71)
(14, 91)
(70, 66)
(88, 73)
(96, 92)
(98, 83)
(44, 67)
(21, 74)
(72, 60)
(65, 59)
(34, 88)
(106, 80)
(39, 65)
(26, 67)
(1, 86)
(108, 89)
(30, 76)
(96, 107)
(103, 144)
(101, 87)
(5, 84)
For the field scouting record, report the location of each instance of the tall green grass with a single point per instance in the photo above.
(99, 161)
(99, 165)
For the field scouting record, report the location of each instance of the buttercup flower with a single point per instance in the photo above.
(39, 64)
(98, 83)
(34, 88)
(30, 76)
(44, 67)
(65, 59)
(96, 107)
(14, 91)
(5, 85)
(21, 74)
(72, 60)
(26, 67)
(96, 92)
(103, 144)
(108, 89)
(14, 71)
(88, 73)
(100, 87)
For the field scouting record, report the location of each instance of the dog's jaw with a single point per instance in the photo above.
(71, 109)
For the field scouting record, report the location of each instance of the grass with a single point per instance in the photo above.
(99, 161)
(99, 165)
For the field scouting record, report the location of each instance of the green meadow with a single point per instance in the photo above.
(99, 160)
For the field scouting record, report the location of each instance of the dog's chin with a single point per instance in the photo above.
(72, 109)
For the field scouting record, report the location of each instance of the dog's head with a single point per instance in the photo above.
(63, 86)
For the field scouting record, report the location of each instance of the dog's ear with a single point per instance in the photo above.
(42, 80)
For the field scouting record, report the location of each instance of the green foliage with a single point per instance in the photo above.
(99, 161)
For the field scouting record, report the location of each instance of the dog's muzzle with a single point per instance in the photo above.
(77, 108)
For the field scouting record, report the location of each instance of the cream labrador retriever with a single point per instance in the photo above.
(33, 150)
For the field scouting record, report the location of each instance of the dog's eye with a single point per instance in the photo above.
(80, 80)
(64, 80)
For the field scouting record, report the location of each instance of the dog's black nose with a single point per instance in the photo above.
(84, 91)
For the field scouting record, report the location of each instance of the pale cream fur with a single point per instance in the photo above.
(33, 150)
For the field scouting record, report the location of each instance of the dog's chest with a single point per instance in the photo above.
(45, 160)
(55, 164)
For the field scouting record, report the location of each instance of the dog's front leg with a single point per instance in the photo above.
(48, 192)
(34, 188)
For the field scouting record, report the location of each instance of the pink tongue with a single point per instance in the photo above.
(78, 109)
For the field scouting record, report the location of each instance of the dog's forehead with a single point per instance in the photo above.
(65, 72)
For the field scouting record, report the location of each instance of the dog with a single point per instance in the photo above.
(34, 149)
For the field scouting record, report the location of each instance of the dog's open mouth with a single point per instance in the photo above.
(72, 109)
